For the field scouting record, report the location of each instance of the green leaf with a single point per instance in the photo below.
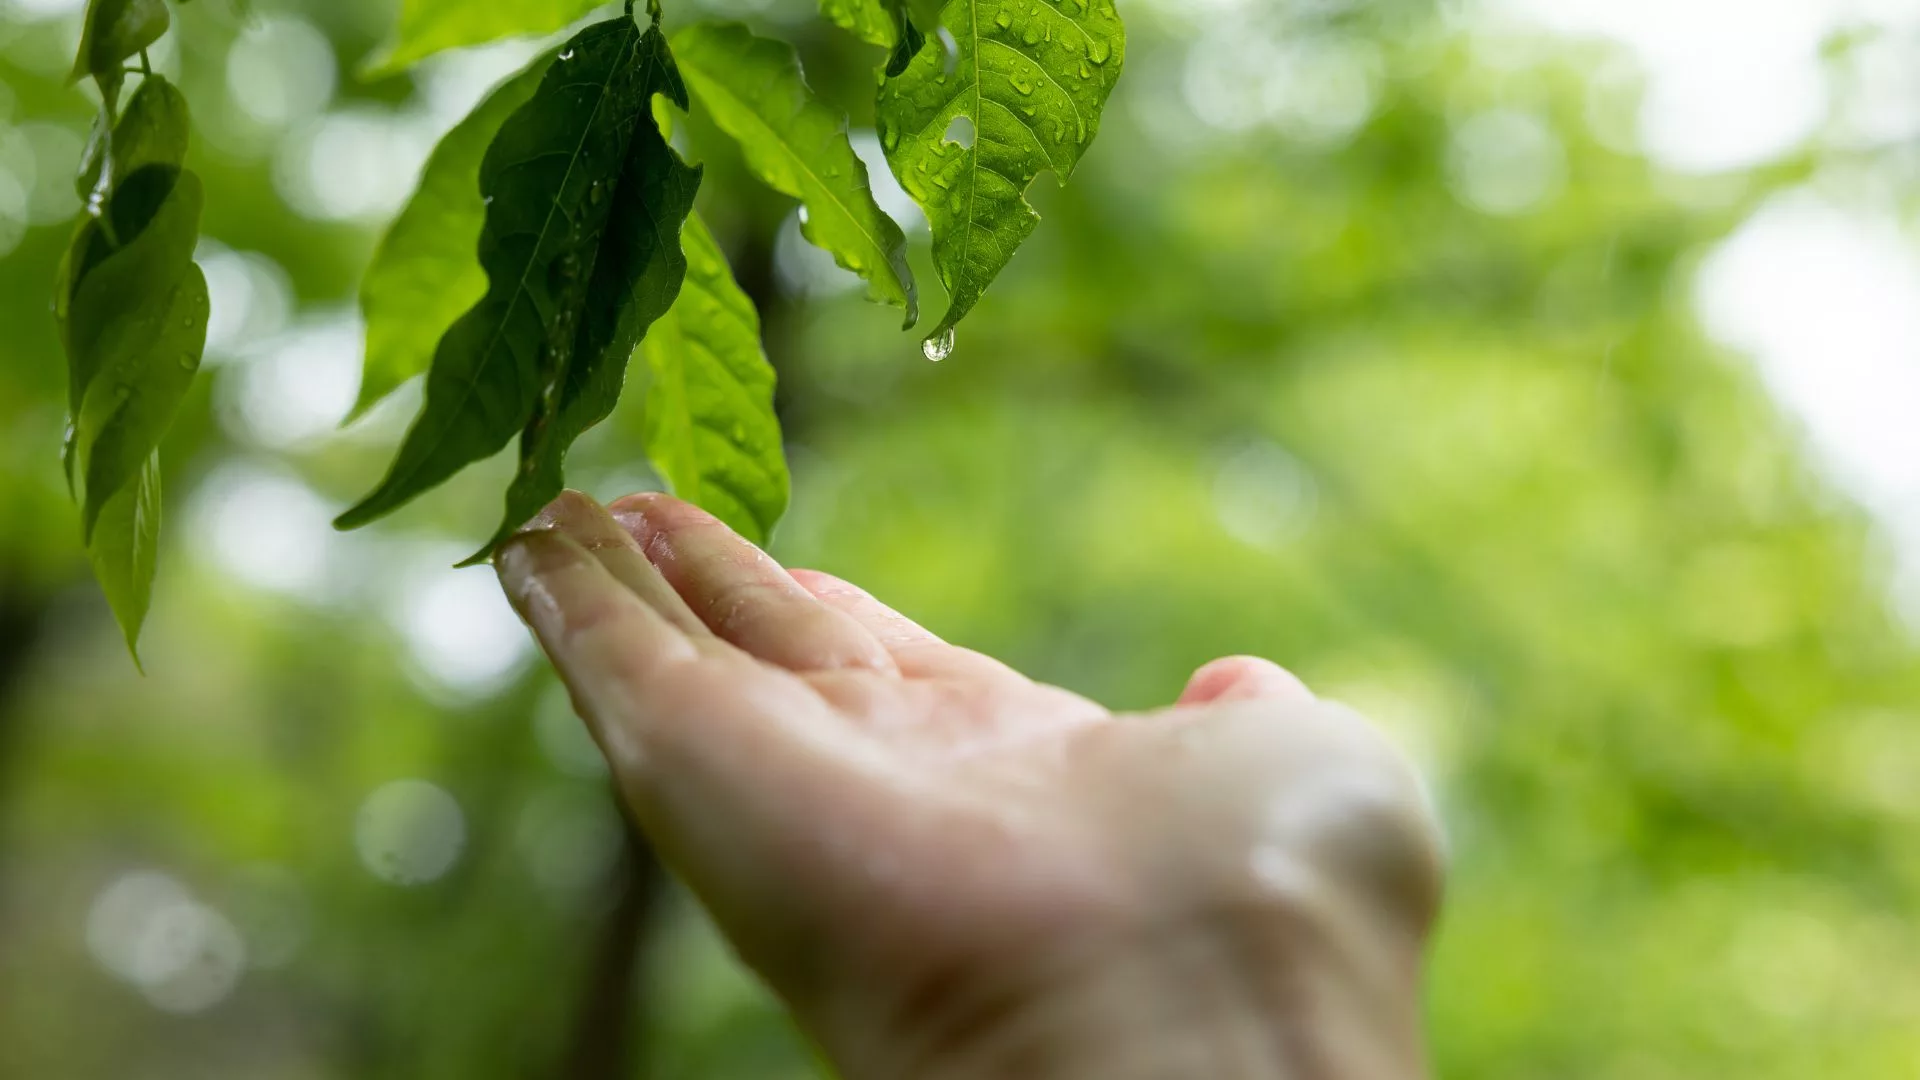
(636, 275)
(135, 329)
(115, 30)
(1032, 76)
(122, 550)
(878, 22)
(154, 129)
(710, 428)
(753, 89)
(428, 26)
(548, 180)
(423, 276)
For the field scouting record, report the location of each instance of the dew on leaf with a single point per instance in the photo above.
(568, 55)
(939, 346)
(1021, 83)
(1003, 20)
(1098, 51)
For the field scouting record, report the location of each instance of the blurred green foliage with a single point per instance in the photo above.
(1461, 458)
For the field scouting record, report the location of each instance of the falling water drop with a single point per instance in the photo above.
(568, 55)
(939, 346)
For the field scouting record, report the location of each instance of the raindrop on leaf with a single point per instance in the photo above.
(939, 346)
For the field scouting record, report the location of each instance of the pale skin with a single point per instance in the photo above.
(948, 871)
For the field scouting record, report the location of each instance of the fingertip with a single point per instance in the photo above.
(570, 508)
(1242, 678)
(649, 516)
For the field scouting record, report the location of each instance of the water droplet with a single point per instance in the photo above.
(1021, 83)
(1003, 20)
(940, 181)
(1032, 36)
(939, 346)
(568, 55)
(1085, 71)
(802, 215)
(596, 192)
(1098, 51)
(188, 360)
(486, 200)
(890, 138)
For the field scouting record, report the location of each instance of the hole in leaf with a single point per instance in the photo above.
(668, 118)
(951, 48)
(960, 132)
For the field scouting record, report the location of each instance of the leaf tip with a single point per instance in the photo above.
(485, 554)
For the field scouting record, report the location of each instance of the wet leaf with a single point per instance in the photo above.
(122, 550)
(135, 329)
(429, 26)
(878, 22)
(1033, 77)
(753, 89)
(424, 275)
(153, 130)
(636, 275)
(549, 180)
(709, 424)
(114, 31)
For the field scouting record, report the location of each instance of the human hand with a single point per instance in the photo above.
(948, 870)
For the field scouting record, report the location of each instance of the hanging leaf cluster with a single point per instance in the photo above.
(551, 249)
(131, 305)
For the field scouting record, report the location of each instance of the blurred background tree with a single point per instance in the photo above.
(1369, 338)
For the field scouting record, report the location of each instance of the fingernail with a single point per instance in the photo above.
(586, 522)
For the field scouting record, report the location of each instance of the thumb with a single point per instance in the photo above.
(1242, 678)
